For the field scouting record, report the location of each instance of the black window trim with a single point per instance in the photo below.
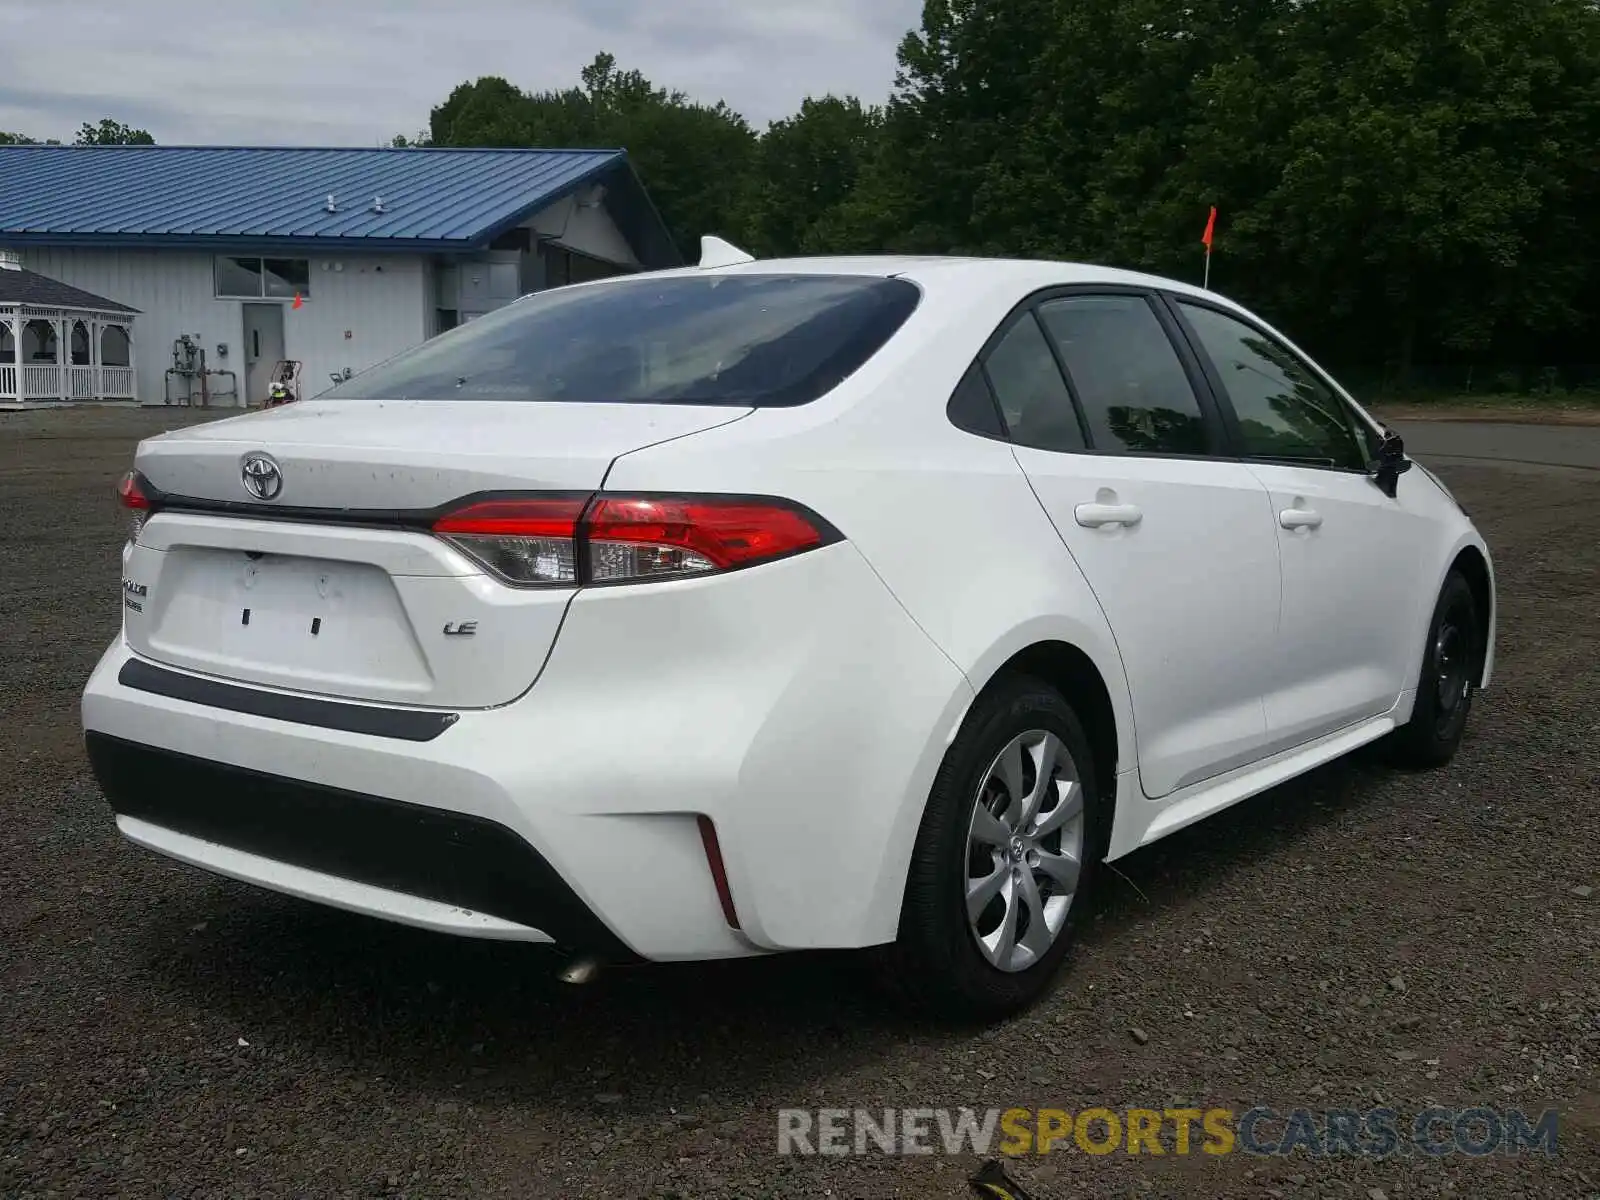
(1172, 302)
(1223, 442)
(1027, 312)
(1084, 430)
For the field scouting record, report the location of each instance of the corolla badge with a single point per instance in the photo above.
(262, 477)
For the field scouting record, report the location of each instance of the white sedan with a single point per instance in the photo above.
(771, 606)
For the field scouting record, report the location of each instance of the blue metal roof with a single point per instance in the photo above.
(214, 195)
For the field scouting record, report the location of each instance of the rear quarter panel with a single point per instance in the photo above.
(946, 520)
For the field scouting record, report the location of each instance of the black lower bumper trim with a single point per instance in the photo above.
(450, 857)
(406, 724)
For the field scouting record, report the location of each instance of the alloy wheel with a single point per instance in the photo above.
(1024, 851)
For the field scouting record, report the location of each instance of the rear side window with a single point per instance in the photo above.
(972, 406)
(1127, 376)
(1285, 412)
(749, 340)
(1032, 395)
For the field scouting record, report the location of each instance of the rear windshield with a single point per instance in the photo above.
(758, 340)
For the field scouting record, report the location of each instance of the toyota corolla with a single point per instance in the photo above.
(772, 606)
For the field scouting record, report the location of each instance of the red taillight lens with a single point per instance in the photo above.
(528, 541)
(131, 495)
(642, 538)
(553, 540)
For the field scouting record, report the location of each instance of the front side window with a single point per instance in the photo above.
(1126, 375)
(749, 340)
(246, 278)
(1285, 412)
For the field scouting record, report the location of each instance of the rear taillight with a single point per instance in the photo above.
(527, 541)
(553, 540)
(131, 495)
(637, 537)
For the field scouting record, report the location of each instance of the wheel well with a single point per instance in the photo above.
(1470, 562)
(1072, 673)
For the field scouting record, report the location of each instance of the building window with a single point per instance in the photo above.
(263, 278)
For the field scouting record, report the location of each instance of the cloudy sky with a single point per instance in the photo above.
(355, 72)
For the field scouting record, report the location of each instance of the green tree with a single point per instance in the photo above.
(1396, 179)
(693, 158)
(112, 133)
(489, 111)
(1407, 175)
(805, 167)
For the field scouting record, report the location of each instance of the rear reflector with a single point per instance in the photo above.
(536, 541)
(719, 871)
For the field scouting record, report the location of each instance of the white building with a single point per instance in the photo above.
(331, 259)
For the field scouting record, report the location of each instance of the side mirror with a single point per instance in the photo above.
(1390, 464)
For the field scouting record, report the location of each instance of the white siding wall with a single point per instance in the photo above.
(385, 303)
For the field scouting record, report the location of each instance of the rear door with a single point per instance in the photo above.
(1352, 557)
(1177, 541)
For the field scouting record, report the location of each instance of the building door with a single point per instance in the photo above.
(263, 348)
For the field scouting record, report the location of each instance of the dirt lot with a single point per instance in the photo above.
(1355, 939)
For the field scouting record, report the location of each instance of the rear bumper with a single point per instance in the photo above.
(368, 853)
(796, 705)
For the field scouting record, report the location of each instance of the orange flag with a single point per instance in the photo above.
(1211, 228)
(298, 302)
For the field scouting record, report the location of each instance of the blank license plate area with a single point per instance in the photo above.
(308, 623)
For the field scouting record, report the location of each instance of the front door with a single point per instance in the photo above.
(1176, 542)
(263, 348)
(1352, 556)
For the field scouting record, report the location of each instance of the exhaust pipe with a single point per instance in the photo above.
(579, 971)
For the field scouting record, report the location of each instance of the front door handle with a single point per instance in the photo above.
(1093, 516)
(1300, 518)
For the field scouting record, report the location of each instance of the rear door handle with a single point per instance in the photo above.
(1092, 516)
(1300, 518)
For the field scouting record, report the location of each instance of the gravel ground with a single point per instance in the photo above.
(1355, 938)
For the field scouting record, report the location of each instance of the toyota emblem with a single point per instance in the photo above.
(262, 477)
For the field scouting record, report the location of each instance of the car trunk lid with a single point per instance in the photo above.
(334, 587)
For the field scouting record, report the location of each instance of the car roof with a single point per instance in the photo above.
(942, 271)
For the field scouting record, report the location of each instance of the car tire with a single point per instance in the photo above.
(945, 961)
(1451, 660)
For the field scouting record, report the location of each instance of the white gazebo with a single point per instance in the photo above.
(60, 344)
